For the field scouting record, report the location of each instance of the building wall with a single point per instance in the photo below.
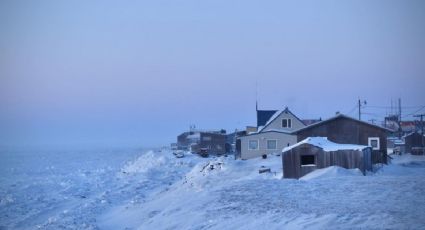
(347, 131)
(413, 140)
(291, 160)
(182, 141)
(277, 123)
(283, 140)
(215, 143)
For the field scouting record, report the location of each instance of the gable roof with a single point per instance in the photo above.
(263, 116)
(338, 117)
(276, 115)
(268, 131)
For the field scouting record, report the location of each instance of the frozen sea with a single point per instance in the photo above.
(53, 189)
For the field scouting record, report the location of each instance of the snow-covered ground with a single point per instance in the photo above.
(154, 190)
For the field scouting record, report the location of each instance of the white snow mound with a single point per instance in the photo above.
(332, 171)
(146, 162)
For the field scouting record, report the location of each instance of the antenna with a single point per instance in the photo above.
(256, 95)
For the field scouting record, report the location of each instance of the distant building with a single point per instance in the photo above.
(318, 152)
(273, 133)
(414, 143)
(231, 140)
(214, 142)
(346, 130)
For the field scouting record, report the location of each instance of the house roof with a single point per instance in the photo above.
(310, 121)
(338, 117)
(276, 115)
(325, 144)
(268, 131)
(412, 133)
(263, 116)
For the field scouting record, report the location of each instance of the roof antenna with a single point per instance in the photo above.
(256, 95)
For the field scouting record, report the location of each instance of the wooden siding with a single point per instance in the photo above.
(291, 160)
(413, 140)
(349, 131)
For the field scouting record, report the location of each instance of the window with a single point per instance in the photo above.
(286, 123)
(374, 143)
(206, 138)
(308, 160)
(272, 144)
(253, 145)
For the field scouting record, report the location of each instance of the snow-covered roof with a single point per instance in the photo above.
(325, 144)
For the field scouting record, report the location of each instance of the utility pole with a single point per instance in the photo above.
(422, 127)
(372, 120)
(360, 117)
(399, 118)
(360, 106)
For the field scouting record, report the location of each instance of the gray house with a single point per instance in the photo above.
(274, 132)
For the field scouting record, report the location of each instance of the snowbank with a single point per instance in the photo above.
(146, 162)
(329, 172)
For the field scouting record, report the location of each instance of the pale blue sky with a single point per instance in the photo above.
(138, 73)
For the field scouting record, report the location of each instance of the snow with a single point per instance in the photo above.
(325, 144)
(137, 189)
(330, 172)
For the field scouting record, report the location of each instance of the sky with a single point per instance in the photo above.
(138, 73)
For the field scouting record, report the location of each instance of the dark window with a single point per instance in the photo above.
(308, 160)
(374, 143)
(284, 123)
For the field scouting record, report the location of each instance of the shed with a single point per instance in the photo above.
(318, 152)
(414, 143)
(347, 130)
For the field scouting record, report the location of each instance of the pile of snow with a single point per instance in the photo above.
(325, 144)
(204, 173)
(146, 162)
(330, 172)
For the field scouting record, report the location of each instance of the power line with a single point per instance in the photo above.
(389, 107)
(410, 114)
(352, 110)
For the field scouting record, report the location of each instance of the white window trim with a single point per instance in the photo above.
(369, 143)
(287, 123)
(267, 144)
(258, 145)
